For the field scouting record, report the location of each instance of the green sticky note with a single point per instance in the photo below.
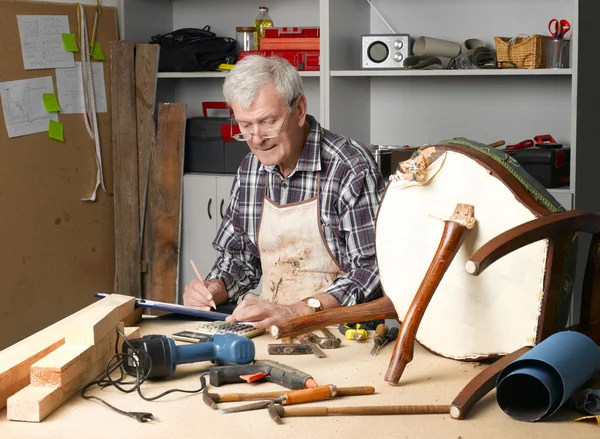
(70, 43)
(97, 52)
(56, 131)
(50, 102)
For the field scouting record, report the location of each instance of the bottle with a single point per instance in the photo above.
(262, 20)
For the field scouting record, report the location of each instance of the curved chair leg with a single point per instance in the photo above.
(456, 230)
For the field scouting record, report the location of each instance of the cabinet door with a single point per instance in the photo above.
(223, 195)
(200, 212)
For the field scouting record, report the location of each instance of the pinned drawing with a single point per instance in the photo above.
(41, 41)
(23, 106)
(70, 88)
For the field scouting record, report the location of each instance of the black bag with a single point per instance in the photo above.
(194, 50)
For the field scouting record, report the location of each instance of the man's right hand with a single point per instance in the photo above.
(197, 295)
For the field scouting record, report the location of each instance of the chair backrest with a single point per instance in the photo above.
(519, 300)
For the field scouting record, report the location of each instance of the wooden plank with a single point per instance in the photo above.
(90, 328)
(164, 203)
(16, 360)
(34, 403)
(125, 169)
(146, 71)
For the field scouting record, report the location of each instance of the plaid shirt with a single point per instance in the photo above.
(351, 189)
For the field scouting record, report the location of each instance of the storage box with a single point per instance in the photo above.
(521, 53)
(207, 150)
(548, 166)
(303, 60)
(298, 32)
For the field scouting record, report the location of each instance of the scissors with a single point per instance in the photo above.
(559, 28)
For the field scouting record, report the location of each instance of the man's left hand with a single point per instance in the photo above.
(264, 314)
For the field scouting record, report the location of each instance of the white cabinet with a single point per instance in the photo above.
(205, 201)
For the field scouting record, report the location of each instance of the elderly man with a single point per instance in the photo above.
(302, 210)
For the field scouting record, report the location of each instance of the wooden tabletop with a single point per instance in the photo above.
(428, 379)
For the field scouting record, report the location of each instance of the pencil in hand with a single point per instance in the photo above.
(212, 302)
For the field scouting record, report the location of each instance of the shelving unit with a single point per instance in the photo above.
(397, 107)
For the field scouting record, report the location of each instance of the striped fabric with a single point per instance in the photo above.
(351, 189)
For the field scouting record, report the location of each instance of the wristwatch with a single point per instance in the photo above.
(313, 303)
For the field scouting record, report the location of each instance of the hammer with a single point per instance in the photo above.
(277, 411)
(211, 399)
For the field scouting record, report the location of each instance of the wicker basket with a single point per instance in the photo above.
(521, 52)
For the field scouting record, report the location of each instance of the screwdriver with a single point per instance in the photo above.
(379, 338)
(391, 335)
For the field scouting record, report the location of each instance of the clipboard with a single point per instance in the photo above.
(174, 308)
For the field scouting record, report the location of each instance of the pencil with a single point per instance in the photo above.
(212, 302)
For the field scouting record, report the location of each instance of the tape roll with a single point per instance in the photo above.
(428, 46)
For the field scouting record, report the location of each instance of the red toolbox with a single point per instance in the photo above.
(290, 43)
(295, 32)
(303, 60)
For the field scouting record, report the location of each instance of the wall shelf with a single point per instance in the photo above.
(491, 72)
(188, 75)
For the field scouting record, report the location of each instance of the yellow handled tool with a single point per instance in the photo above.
(354, 332)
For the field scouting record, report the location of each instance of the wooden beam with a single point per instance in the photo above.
(90, 328)
(164, 203)
(125, 168)
(16, 360)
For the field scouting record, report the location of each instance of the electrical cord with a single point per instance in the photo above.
(132, 357)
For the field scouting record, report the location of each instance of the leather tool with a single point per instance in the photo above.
(379, 338)
(301, 396)
(311, 340)
(289, 349)
(278, 411)
(333, 341)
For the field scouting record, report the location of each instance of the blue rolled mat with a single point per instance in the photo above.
(537, 384)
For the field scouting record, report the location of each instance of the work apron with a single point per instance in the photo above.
(296, 261)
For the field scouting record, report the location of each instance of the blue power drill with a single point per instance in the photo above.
(158, 355)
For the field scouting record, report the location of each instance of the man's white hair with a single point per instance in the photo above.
(249, 75)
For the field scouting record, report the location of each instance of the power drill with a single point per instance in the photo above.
(161, 355)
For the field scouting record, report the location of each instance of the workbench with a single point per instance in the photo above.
(428, 379)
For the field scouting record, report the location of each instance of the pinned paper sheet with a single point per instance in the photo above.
(69, 42)
(41, 41)
(50, 102)
(70, 89)
(23, 105)
(56, 131)
(97, 52)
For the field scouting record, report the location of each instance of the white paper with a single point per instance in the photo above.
(41, 41)
(70, 91)
(23, 105)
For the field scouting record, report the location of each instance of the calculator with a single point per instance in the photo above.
(205, 329)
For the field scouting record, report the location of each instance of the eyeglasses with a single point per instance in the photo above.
(267, 134)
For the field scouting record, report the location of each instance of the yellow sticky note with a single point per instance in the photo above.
(56, 131)
(70, 43)
(97, 52)
(50, 102)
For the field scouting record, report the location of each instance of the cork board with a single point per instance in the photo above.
(55, 250)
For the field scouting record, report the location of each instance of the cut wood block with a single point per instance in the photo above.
(69, 362)
(16, 360)
(34, 403)
(91, 327)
